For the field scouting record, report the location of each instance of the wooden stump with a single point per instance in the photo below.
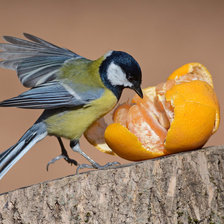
(182, 188)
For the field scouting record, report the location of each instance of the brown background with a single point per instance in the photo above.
(161, 35)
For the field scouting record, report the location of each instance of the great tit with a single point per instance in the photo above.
(73, 91)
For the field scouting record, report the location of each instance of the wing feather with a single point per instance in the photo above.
(52, 95)
(35, 60)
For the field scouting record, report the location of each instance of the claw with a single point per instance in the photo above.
(96, 166)
(66, 158)
(76, 148)
(82, 166)
(64, 155)
(54, 160)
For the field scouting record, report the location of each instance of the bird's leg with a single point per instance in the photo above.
(76, 148)
(64, 155)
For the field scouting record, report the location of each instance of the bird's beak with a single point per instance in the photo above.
(138, 90)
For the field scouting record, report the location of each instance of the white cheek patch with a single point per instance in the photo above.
(116, 76)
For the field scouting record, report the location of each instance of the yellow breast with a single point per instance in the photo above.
(72, 123)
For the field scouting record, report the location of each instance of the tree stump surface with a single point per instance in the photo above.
(181, 188)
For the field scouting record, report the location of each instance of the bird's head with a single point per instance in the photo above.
(120, 70)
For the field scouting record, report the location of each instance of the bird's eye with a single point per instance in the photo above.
(131, 78)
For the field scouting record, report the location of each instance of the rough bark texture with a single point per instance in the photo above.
(181, 188)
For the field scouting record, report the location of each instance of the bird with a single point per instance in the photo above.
(72, 90)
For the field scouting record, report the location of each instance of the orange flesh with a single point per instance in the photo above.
(146, 127)
(152, 107)
(120, 116)
(150, 118)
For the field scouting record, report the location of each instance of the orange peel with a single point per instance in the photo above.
(193, 68)
(196, 116)
(131, 148)
(178, 115)
(95, 136)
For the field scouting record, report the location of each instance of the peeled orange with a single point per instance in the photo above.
(178, 115)
(95, 136)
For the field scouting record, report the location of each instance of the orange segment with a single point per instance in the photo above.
(120, 114)
(161, 102)
(126, 145)
(147, 105)
(146, 127)
(151, 105)
(163, 87)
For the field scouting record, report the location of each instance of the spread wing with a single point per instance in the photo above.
(35, 60)
(54, 94)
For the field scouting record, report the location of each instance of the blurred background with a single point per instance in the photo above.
(161, 35)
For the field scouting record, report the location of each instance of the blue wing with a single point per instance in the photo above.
(54, 94)
(36, 61)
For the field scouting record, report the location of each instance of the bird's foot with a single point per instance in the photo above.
(65, 157)
(96, 166)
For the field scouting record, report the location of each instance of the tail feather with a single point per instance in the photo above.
(17, 151)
